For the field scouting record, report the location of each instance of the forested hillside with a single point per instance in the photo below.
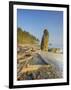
(24, 37)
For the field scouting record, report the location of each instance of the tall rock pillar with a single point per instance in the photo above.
(44, 41)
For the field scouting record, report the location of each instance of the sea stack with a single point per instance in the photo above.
(44, 41)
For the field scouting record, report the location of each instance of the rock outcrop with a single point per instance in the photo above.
(44, 41)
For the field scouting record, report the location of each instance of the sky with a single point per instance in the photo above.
(35, 21)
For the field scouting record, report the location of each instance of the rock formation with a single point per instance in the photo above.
(44, 41)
